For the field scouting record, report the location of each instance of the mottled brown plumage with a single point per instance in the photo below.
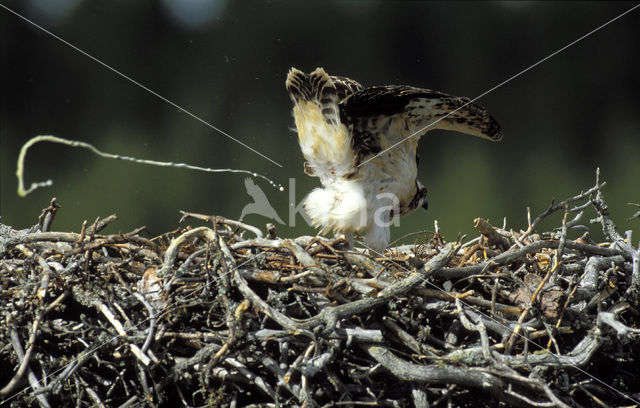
(362, 144)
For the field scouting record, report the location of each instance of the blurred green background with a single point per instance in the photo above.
(226, 62)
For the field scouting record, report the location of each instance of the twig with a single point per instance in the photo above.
(555, 207)
(48, 214)
(514, 254)
(440, 375)
(24, 364)
(532, 301)
(33, 380)
(216, 219)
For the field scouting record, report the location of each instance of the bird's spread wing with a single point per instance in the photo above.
(324, 140)
(345, 86)
(381, 116)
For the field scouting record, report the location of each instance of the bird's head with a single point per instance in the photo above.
(421, 195)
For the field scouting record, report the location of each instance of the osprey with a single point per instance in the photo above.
(362, 145)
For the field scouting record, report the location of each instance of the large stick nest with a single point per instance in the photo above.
(221, 315)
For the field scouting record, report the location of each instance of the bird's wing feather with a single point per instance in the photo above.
(345, 86)
(324, 140)
(402, 111)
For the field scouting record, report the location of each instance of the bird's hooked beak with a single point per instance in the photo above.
(422, 193)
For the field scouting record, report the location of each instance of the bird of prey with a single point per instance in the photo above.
(362, 145)
(260, 204)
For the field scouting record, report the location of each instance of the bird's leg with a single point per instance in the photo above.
(349, 238)
(376, 241)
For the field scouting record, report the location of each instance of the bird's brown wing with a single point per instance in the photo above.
(368, 114)
(346, 86)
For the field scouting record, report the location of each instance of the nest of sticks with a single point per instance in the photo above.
(224, 315)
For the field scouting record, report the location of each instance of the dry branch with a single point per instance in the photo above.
(206, 317)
